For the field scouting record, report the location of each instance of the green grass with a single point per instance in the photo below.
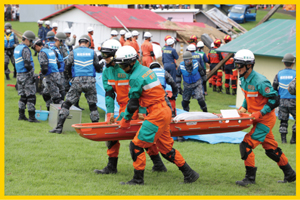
(261, 14)
(41, 163)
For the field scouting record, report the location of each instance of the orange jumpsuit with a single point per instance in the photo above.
(128, 43)
(54, 31)
(260, 97)
(122, 41)
(213, 59)
(147, 48)
(136, 46)
(146, 87)
(92, 41)
(115, 79)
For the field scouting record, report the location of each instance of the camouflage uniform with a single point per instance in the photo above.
(191, 88)
(86, 84)
(51, 83)
(9, 54)
(287, 101)
(65, 79)
(292, 87)
(26, 85)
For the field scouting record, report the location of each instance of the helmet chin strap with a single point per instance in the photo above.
(243, 74)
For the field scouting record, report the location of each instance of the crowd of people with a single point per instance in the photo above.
(132, 76)
(11, 12)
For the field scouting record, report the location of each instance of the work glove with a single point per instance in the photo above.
(180, 91)
(242, 110)
(256, 115)
(141, 116)
(110, 118)
(124, 124)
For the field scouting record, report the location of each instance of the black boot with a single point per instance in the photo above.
(293, 139)
(7, 76)
(214, 88)
(283, 138)
(111, 167)
(32, 117)
(227, 91)
(233, 91)
(48, 108)
(22, 115)
(138, 178)
(209, 85)
(220, 89)
(77, 105)
(60, 124)
(189, 174)
(289, 174)
(15, 74)
(158, 165)
(249, 177)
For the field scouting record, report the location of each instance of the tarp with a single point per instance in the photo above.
(233, 137)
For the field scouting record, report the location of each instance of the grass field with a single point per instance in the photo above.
(39, 163)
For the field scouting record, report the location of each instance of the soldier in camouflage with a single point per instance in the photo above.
(82, 64)
(25, 77)
(10, 42)
(49, 68)
(192, 75)
(287, 101)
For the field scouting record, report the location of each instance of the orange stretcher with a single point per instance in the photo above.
(108, 132)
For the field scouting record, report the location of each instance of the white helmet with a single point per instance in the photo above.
(90, 29)
(200, 44)
(47, 22)
(54, 24)
(244, 57)
(135, 33)
(212, 45)
(128, 35)
(114, 32)
(191, 47)
(109, 48)
(170, 41)
(147, 35)
(67, 30)
(122, 32)
(40, 22)
(125, 55)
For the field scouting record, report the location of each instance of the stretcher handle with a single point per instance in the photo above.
(212, 120)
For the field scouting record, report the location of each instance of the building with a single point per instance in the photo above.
(177, 15)
(104, 19)
(269, 42)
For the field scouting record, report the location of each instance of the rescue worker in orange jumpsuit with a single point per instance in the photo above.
(128, 39)
(135, 35)
(115, 81)
(147, 50)
(260, 100)
(90, 31)
(146, 91)
(213, 59)
(230, 71)
(114, 34)
(193, 40)
(54, 28)
(122, 34)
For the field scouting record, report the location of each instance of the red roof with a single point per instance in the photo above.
(131, 18)
(184, 24)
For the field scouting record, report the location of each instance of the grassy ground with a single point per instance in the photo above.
(40, 163)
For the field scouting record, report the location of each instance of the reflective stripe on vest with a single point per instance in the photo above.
(59, 58)
(52, 65)
(83, 62)
(193, 76)
(285, 76)
(160, 73)
(19, 61)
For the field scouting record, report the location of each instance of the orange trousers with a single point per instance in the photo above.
(268, 143)
(147, 60)
(160, 116)
(113, 151)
